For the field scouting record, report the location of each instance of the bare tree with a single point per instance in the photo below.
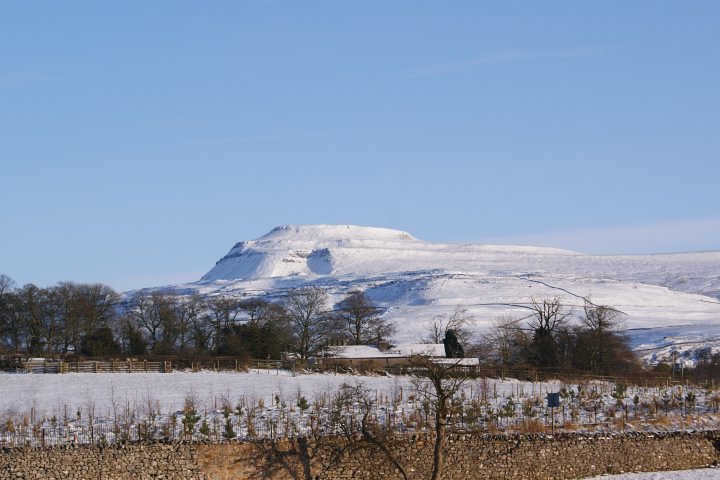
(549, 315)
(7, 286)
(12, 322)
(182, 311)
(317, 454)
(379, 330)
(311, 322)
(600, 345)
(445, 380)
(363, 431)
(155, 314)
(131, 336)
(198, 333)
(86, 308)
(361, 319)
(223, 312)
(256, 309)
(458, 322)
(74, 328)
(96, 304)
(39, 318)
(601, 318)
(505, 339)
(146, 316)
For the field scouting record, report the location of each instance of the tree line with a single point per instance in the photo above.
(552, 336)
(94, 320)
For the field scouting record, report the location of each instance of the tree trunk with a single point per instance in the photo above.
(439, 451)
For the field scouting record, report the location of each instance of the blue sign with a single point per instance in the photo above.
(553, 400)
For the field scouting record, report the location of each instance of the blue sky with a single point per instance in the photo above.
(140, 140)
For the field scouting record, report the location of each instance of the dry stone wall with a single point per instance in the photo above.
(114, 462)
(467, 456)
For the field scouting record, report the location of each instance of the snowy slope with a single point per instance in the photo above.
(351, 250)
(416, 281)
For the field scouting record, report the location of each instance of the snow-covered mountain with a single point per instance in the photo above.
(669, 299)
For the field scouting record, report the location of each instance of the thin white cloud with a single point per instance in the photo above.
(679, 236)
(502, 56)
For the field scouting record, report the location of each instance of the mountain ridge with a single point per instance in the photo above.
(414, 281)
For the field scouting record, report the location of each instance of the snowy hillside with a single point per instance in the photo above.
(676, 295)
(351, 250)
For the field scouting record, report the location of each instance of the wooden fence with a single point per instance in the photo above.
(225, 364)
(142, 366)
(129, 366)
(393, 365)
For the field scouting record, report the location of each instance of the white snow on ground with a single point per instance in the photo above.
(596, 403)
(704, 473)
(267, 402)
(415, 282)
(50, 393)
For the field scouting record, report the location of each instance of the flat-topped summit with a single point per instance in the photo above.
(334, 233)
(306, 250)
(292, 250)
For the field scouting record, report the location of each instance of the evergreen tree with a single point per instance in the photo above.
(453, 349)
(99, 343)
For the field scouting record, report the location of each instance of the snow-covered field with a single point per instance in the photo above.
(50, 393)
(416, 281)
(268, 403)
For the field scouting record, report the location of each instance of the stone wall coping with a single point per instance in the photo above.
(452, 437)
